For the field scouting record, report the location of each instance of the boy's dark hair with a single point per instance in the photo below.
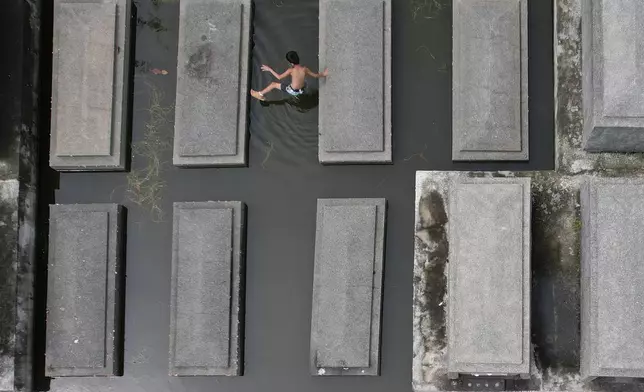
(292, 57)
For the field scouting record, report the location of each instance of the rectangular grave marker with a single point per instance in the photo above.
(212, 83)
(612, 285)
(613, 75)
(490, 80)
(90, 84)
(347, 287)
(355, 99)
(85, 277)
(206, 333)
(489, 277)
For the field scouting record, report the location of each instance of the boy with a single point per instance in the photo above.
(296, 71)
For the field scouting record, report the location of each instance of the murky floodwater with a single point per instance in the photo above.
(280, 188)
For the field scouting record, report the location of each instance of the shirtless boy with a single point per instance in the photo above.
(296, 71)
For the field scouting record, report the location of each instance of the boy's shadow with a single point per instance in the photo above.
(303, 103)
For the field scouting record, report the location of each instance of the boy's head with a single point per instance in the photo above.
(292, 57)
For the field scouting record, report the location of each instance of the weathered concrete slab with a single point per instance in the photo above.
(84, 311)
(206, 332)
(488, 323)
(613, 75)
(355, 99)
(612, 251)
(212, 83)
(490, 80)
(347, 287)
(90, 89)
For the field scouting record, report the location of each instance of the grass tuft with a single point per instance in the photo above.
(425, 9)
(145, 186)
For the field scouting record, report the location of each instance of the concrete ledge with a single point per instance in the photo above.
(347, 287)
(207, 306)
(90, 85)
(212, 83)
(355, 99)
(612, 310)
(84, 336)
(613, 75)
(488, 326)
(490, 80)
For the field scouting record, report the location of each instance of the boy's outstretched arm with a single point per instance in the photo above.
(266, 68)
(317, 75)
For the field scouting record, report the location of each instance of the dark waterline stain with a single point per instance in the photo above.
(199, 62)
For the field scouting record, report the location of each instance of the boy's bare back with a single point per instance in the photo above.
(298, 74)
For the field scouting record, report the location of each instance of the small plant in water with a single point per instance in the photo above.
(426, 9)
(156, 3)
(155, 23)
(145, 186)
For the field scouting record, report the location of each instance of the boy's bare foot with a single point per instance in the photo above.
(258, 95)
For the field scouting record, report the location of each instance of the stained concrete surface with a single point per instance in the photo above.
(571, 158)
(613, 75)
(556, 277)
(280, 187)
(612, 284)
(212, 83)
(488, 325)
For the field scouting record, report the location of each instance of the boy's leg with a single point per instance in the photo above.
(270, 87)
(260, 94)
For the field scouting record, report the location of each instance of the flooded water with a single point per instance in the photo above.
(280, 187)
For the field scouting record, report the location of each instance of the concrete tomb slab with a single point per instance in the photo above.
(90, 84)
(613, 75)
(488, 323)
(612, 285)
(490, 80)
(207, 309)
(84, 303)
(347, 287)
(355, 99)
(212, 83)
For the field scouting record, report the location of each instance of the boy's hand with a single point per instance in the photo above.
(266, 68)
(325, 72)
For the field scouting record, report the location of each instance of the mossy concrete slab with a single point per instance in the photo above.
(613, 75)
(570, 156)
(612, 251)
(488, 325)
